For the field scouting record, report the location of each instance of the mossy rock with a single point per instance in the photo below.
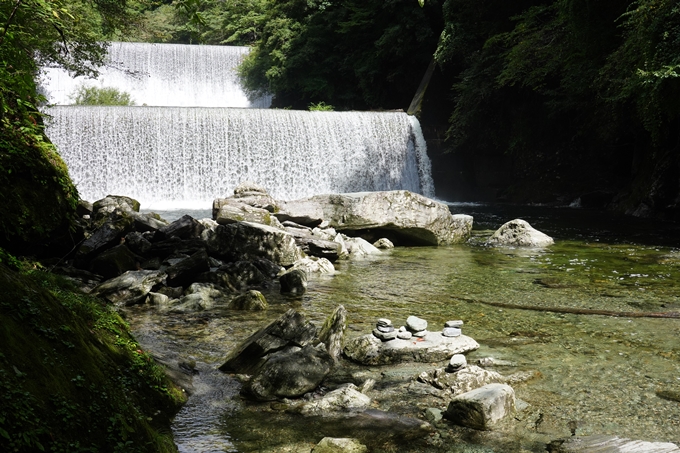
(38, 201)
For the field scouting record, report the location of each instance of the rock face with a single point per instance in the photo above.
(483, 407)
(519, 233)
(433, 347)
(403, 217)
(290, 330)
(609, 444)
(290, 375)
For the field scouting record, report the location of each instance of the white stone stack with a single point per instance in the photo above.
(452, 328)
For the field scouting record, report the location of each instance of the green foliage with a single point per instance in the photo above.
(72, 379)
(321, 107)
(352, 54)
(38, 201)
(92, 95)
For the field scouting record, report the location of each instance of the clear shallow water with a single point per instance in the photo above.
(601, 372)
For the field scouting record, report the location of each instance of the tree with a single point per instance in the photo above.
(40, 199)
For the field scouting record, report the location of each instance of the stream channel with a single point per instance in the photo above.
(603, 374)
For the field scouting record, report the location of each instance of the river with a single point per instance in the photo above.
(602, 373)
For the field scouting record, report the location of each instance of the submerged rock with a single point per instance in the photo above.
(251, 301)
(609, 444)
(339, 445)
(519, 233)
(482, 408)
(341, 401)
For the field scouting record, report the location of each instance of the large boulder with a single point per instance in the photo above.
(114, 261)
(290, 330)
(129, 288)
(404, 217)
(290, 374)
(245, 240)
(482, 408)
(519, 233)
(112, 229)
(184, 272)
(186, 227)
(433, 347)
(232, 210)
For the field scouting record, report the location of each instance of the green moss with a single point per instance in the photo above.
(72, 379)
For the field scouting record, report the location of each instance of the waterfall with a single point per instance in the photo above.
(184, 157)
(163, 75)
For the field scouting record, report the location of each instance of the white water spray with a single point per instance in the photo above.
(163, 75)
(185, 157)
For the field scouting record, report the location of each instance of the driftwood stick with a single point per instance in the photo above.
(577, 311)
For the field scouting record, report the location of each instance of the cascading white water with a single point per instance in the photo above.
(185, 157)
(163, 75)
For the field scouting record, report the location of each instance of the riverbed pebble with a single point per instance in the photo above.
(457, 362)
(383, 322)
(420, 334)
(457, 323)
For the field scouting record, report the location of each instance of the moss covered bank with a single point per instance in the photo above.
(72, 379)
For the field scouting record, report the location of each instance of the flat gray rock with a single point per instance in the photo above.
(433, 347)
(404, 217)
(482, 408)
(609, 444)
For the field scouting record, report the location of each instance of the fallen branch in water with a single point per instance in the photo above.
(577, 311)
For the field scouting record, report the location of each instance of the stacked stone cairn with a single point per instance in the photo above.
(452, 328)
(384, 330)
(415, 327)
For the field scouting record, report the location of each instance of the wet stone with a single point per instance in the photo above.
(451, 332)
